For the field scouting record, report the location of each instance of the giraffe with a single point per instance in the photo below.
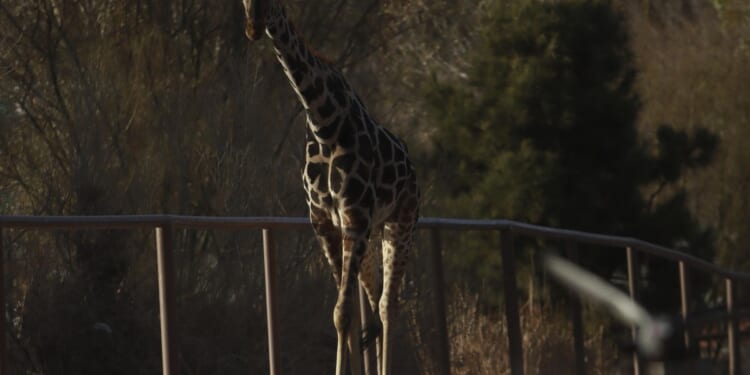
(359, 181)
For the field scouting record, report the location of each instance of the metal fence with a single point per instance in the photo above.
(164, 225)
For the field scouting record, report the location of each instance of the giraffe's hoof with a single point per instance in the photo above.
(370, 333)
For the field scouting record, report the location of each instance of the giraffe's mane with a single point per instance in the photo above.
(319, 55)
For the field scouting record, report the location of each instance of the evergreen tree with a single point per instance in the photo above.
(544, 131)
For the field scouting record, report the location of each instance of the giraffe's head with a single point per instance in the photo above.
(256, 13)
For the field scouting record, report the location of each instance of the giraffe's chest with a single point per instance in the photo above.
(337, 180)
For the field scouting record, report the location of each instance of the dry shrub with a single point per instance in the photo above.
(479, 343)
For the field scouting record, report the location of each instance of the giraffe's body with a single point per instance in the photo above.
(358, 179)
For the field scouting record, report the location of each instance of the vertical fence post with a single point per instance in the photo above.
(438, 302)
(515, 341)
(2, 305)
(732, 332)
(684, 305)
(633, 272)
(363, 316)
(272, 314)
(167, 300)
(575, 315)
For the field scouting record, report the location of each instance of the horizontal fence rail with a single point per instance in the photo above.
(164, 225)
(237, 223)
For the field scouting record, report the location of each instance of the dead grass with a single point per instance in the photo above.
(479, 342)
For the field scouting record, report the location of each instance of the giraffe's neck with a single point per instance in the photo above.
(321, 89)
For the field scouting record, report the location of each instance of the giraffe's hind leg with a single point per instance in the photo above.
(397, 241)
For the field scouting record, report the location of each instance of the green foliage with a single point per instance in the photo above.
(545, 85)
(694, 72)
(679, 151)
(544, 131)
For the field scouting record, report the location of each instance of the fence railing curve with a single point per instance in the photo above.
(164, 225)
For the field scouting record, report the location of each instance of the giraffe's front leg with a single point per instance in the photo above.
(355, 234)
(329, 238)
